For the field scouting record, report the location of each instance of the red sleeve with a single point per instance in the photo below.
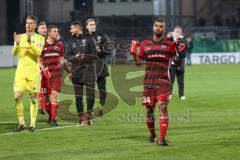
(42, 54)
(61, 49)
(141, 52)
(172, 49)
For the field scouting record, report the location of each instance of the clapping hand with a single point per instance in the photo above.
(16, 38)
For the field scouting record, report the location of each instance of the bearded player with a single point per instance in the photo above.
(52, 59)
(157, 53)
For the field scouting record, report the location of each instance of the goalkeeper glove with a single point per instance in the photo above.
(134, 47)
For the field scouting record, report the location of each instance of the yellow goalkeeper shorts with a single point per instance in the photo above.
(27, 80)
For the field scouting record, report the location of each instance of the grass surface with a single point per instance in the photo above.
(204, 126)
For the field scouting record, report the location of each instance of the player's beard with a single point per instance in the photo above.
(158, 34)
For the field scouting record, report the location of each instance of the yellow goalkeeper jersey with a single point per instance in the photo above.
(28, 53)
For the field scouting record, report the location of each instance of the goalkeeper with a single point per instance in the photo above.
(28, 48)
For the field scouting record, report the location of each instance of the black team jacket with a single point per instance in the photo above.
(101, 41)
(83, 70)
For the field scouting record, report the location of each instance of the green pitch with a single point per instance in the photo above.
(204, 126)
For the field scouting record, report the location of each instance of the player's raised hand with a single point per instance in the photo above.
(181, 47)
(134, 46)
(16, 38)
(170, 34)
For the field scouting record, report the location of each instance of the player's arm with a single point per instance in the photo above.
(135, 53)
(62, 60)
(103, 52)
(180, 52)
(70, 54)
(37, 46)
(15, 49)
(61, 46)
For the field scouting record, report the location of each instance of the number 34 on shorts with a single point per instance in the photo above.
(150, 101)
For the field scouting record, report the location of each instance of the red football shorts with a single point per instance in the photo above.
(50, 84)
(153, 95)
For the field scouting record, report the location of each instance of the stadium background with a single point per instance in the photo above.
(204, 126)
(213, 25)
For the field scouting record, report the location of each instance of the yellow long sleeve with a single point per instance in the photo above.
(15, 49)
(37, 47)
(28, 53)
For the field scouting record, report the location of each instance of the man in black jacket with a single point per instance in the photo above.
(177, 36)
(102, 69)
(82, 55)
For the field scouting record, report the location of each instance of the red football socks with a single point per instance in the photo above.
(54, 111)
(163, 125)
(150, 125)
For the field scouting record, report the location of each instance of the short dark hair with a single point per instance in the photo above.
(33, 18)
(159, 20)
(76, 23)
(42, 23)
(50, 27)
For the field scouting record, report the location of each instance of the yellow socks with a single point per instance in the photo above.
(33, 112)
(20, 111)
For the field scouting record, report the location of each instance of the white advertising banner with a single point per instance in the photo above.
(6, 58)
(216, 58)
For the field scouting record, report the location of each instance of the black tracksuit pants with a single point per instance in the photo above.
(180, 80)
(90, 96)
(101, 83)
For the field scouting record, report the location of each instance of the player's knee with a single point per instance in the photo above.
(33, 100)
(18, 99)
(18, 96)
(150, 111)
(163, 106)
(33, 95)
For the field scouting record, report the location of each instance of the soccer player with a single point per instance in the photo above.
(42, 29)
(82, 55)
(28, 48)
(177, 35)
(157, 53)
(52, 58)
(43, 97)
(102, 69)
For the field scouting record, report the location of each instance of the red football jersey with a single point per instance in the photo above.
(157, 56)
(50, 58)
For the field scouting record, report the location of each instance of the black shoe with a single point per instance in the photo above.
(54, 123)
(31, 129)
(163, 143)
(19, 128)
(43, 111)
(89, 122)
(100, 112)
(49, 121)
(152, 139)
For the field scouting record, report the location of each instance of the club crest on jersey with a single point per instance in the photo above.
(55, 47)
(39, 44)
(163, 47)
(84, 42)
(99, 38)
(74, 45)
